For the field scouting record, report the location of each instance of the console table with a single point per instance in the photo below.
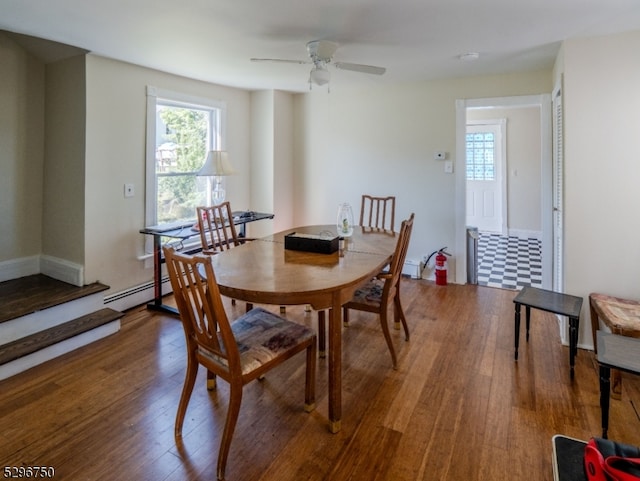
(182, 232)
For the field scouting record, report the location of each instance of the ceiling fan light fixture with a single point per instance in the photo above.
(319, 75)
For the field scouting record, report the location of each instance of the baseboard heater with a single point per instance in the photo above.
(136, 295)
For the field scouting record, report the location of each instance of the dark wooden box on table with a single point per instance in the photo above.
(311, 243)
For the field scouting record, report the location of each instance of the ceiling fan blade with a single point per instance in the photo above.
(356, 67)
(280, 60)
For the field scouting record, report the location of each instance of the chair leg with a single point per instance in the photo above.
(187, 389)
(322, 334)
(249, 306)
(345, 317)
(211, 380)
(310, 379)
(235, 399)
(399, 313)
(387, 335)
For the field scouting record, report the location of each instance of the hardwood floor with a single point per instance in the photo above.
(457, 408)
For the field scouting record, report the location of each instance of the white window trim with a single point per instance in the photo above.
(168, 96)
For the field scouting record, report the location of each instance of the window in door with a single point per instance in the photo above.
(481, 155)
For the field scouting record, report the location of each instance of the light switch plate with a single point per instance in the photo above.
(448, 167)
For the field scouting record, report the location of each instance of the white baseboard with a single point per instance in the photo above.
(62, 270)
(16, 268)
(525, 234)
(54, 267)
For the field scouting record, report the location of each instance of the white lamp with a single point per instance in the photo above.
(217, 165)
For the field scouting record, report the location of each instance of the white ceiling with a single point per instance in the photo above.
(415, 40)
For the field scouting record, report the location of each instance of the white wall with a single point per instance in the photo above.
(283, 199)
(64, 167)
(272, 159)
(22, 80)
(115, 155)
(602, 175)
(262, 158)
(380, 140)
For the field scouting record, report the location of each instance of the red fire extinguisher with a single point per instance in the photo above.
(441, 267)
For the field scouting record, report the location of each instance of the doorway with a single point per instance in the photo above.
(543, 180)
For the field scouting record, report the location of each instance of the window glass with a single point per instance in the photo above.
(182, 135)
(180, 132)
(480, 156)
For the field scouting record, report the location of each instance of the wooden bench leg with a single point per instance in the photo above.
(616, 378)
(616, 384)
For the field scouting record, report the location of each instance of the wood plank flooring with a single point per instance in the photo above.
(457, 408)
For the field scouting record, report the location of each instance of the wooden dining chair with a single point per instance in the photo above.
(378, 212)
(381, 293)
(218, 231)
(238, 352)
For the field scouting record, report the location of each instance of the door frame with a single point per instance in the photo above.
(543, 101)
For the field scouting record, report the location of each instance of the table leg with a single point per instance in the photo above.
(322, 334)
(605, 386)
(528, 310)
(574, 323)
(335, 365)
(156, 304)
(157, 271)
(517, 328)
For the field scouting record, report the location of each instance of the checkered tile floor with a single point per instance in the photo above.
(508, 262)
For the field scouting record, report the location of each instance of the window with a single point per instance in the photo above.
(480, 156)
(180, 132)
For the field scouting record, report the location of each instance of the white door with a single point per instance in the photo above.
(485, 176)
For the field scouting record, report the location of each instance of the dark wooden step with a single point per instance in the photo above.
(34, 342)
(29, 294)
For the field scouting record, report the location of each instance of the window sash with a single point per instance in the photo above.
(215, 140)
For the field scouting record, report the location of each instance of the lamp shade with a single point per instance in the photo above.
(216, 164)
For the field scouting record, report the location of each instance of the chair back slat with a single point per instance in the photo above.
(200, 306)
(399, 256)
(217, 230)
(378, 212)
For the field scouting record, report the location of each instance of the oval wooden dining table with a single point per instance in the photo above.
(264, 272)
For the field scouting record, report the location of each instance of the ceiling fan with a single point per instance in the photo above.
(321, 55)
